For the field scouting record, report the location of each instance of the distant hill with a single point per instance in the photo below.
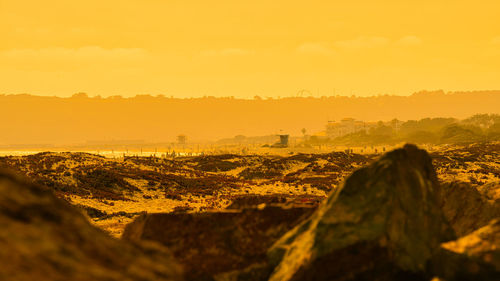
(36, 119)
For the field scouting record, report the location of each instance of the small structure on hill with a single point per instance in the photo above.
(283, 143)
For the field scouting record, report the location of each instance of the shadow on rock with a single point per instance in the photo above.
(44, 238)
(385, 223)
(207, 244)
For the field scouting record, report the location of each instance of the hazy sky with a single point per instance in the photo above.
(246, 48)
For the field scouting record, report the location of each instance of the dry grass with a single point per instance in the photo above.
(124, 187)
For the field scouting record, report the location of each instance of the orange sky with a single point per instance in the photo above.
(246, 48)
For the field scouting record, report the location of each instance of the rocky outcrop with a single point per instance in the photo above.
(44, 238)
(384, 223)
(491, 191)
(251, 201)
(207, 244)
(466, 208)
(475, 256)
(482, 244)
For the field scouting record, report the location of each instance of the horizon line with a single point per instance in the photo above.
(255, 97)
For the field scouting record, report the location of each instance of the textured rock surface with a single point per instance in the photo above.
(251, 201)
(215, 242)
(383, 224)
(43, 238)
(475, 256)
(491, 191)
(483, 244)
(466, 208)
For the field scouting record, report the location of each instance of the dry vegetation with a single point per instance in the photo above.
(114, 191)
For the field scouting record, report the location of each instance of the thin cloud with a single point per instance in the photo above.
(228, 52)
(363, 42)
(409, 40)
(69, 59)
(315, 49)
(92, 53)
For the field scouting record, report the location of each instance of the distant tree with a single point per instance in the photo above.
(240, 138)
(426, 124)
(482, 120)
(421, 137)
(395, 124)
(356, 138)
(460, 134)
(381, 134)
(80, 95)
(494, 132)
(381, 130)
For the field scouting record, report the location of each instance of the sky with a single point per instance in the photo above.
(247, 48)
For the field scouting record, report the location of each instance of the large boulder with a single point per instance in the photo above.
(491, 191)
(254, 200)
(475, 256)
(44, 238)
(384, 223)
(482, 244)
(211, 243)
(466, 208)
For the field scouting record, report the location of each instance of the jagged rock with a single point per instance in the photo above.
(466, 208)
(215, 242)
(475, 256)
(483, 244)
(44, 238)
(91, 212)
(491, 191)
(252, 201)
(384, 223)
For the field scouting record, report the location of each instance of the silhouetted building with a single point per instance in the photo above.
(282, 143)
(347, 126)
(284, 140)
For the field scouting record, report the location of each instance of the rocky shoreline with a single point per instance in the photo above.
(393, 219)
